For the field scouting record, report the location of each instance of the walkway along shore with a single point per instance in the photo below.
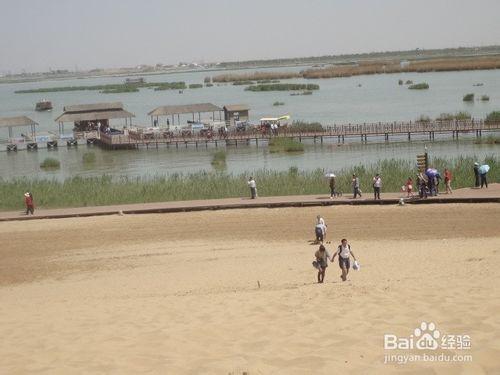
(466, 195)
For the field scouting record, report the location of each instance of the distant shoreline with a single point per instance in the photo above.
(318, 61)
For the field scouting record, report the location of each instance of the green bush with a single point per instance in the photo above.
(419, 86)
(285, 145)
(493, 117)
(468, 97)
(219, 159)
(50, 163)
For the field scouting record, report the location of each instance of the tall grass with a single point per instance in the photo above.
(104, 190)
(50, 163)
(109, 88)
(282, 87)
(285, 145)
(493, 117)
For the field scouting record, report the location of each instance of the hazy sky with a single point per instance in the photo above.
(63, 34)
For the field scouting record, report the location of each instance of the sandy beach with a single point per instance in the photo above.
(234, 292)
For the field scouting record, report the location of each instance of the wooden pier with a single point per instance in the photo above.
(163, 137)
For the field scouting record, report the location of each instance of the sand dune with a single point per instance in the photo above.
(179, 293)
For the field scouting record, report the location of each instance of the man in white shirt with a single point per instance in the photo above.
(253, 187)
(344, 252)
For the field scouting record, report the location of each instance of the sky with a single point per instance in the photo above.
(38, 35)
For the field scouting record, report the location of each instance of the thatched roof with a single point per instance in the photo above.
(6, 122)
(236, 108)
(168, 110)
(94, 112)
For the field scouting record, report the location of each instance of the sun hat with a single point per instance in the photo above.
(476, 163)
(26, 194)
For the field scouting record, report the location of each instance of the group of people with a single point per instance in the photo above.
(322, 255)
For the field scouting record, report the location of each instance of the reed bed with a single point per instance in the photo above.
(419, 86)
(394, 66)
(285, 145)
(256, 76)
(110, 88)
(282, 87)
(104, 190)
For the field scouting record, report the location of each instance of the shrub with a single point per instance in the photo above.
(282, 87)
(50, 163)
(468, 97)
(493, 117)
(485, 98)
(424, 118)
(463, 115)
(285, 145)
(302, 126)
(88, 157)
(219, 159)
(419, 86)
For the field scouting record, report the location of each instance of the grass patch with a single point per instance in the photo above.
(285, 145)
(419, 86)
(468, 97)
(50, 163)
(276, 104)
(219, 160)
(489, 140)
(257, 76)
(462, 115)
(282, 87)
(88, 158)
(195, 86)
(109, 88)
(104, 190)
(243, 83)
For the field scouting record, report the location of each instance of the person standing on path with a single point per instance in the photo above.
(355, 186)
(30, 204)
(253, 187)
(377, 184)
(484, 181)
(344, 252)
(476, 174)
(332, 187)
(447, 181)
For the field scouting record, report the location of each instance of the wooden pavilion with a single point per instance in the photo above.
(174, 111)
(236, 112)
(17, 122)
(91, 119)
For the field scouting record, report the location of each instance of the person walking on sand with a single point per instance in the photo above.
(355, 186)
(321, 263)
(476, 174)
(377, 184)
(253, 187)
(344, 252)
(447, 181)
(30, 204)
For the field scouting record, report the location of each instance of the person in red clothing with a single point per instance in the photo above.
(409, 187)
(447, 180)
(30, 205)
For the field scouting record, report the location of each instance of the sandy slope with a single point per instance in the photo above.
(179, 293)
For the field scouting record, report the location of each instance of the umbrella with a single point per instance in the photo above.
(330, 175)
(483, 169)
(431, 172)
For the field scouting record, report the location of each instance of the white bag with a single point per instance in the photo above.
(356, 266)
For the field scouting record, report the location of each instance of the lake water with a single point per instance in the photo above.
(339, 100)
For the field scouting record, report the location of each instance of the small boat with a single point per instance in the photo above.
(43, 105)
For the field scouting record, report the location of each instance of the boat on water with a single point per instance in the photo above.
(44, 105)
